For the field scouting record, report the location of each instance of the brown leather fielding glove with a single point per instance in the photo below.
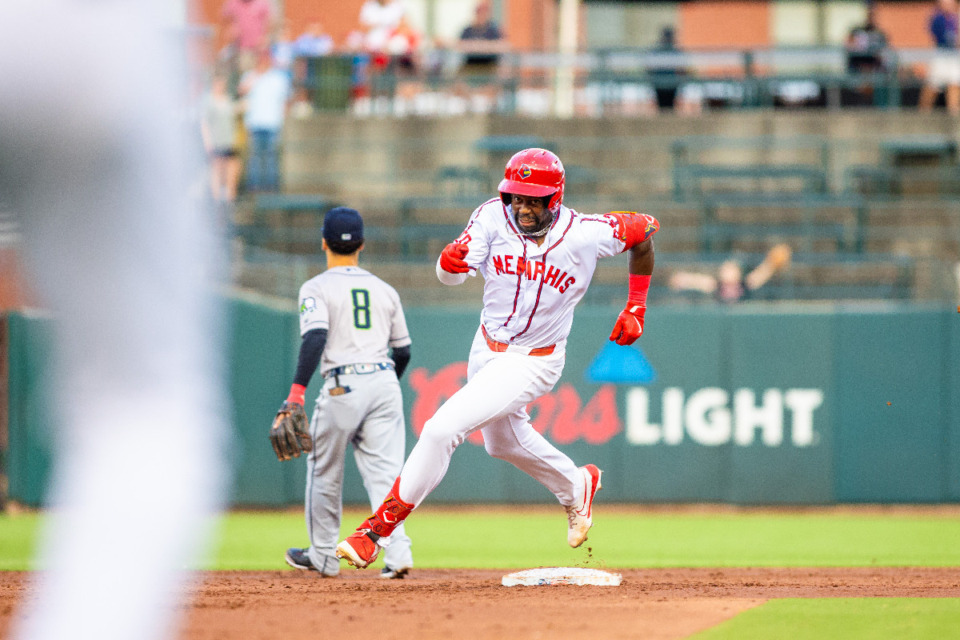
(288, 434)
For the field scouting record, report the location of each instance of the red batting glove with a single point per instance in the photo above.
(629, 325)
(452, 258)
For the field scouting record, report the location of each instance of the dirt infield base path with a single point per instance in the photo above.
(435, 604)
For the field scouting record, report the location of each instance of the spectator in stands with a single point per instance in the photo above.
(379, 20)
(666, 69)
(266, 90)
(313, 42)
(867, 46)
(247, 24)
(730, 284)
(866, 54)
(403, 47)
(482, 44)
(219, 129)
(944, 71)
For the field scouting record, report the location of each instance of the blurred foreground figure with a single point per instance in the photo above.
(99, 168)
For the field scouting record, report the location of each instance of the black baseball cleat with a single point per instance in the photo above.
(394, 574)
(300, 559)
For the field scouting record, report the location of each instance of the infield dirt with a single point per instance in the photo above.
(436, 604)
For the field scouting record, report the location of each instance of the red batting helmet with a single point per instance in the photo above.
(534, 172)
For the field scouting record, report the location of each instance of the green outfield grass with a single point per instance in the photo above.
(628, 538)
(517, 538)
(843, 618)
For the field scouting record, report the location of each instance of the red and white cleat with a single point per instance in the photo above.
(580, 517)
(360, 548)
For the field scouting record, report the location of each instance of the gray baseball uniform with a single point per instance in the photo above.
(360, 403)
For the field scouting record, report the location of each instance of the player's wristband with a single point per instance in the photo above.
(297, 392)
(637, 290)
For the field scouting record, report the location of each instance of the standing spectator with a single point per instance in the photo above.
(267, 91)
(219, 128)
(247, 24)
(944, 72)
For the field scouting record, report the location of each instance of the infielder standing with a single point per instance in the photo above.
(349, 321)
(537, 258)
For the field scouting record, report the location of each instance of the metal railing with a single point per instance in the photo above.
(617, 80)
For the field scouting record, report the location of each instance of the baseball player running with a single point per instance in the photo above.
(537, 258)
(349, 321)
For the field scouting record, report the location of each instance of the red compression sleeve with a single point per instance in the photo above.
(297, 391)
(637, 290)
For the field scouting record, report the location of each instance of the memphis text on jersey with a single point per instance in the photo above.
(533, 270)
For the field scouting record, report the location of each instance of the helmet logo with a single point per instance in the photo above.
(524, 172)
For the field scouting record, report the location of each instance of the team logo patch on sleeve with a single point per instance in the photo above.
(307, 305)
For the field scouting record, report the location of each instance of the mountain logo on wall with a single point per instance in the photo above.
(621, 365)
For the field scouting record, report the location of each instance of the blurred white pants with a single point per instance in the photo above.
(99, 165)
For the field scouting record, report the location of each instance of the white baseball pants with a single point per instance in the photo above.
(499, 387)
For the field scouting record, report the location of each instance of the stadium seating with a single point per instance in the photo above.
(868, 217)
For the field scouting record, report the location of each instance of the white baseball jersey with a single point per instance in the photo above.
(362, 314)
(530, 291)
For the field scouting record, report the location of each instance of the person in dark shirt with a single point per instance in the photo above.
(482, 42)
(666, 68)
(866, 46)
(866, 55)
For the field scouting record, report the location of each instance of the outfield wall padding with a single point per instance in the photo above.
(748, 405)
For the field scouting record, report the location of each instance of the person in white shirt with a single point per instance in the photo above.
(379, 19)
(266, 92)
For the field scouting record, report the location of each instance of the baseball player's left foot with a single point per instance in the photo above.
(394, 574)
(360, 548)
(580, 517)
(300, 559)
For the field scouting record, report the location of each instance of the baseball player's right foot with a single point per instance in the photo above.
(580, 516)
(360, 548)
